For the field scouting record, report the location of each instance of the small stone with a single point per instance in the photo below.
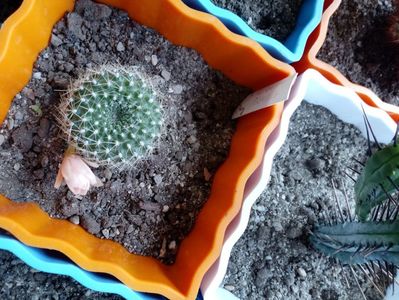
(268, 258)
(130, 229)
(158, 179)
(207, 174)
(296, 174)
(75, 219)
(151, 206)
(154, 60)
(294, 232)
(277, 226)
(177, 89)
(262, 276)
(301, 272)
(23, 138)
(230, 288)
(44, 161)
(19, 116)
(68, 67)
(105, 233)
(17, 166)
(61, 81)
(10, 124)
(172, 245)
(90, 224)
(120, 47)
(37, 75)
(165, 208)
(165, 74)
(55, 41)
(192, 139)
(29, 93)
(75, 23)
(108, 174)
(44, 127)
(162, 251)
(2, 139)
(102, 11)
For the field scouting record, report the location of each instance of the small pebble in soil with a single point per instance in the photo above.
(301, 272)
(75, 219)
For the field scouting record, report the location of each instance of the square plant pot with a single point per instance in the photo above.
(314, 88)
(289, 51)
(28, 31)
(310, 60)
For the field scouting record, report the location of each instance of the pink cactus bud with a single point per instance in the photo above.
(77, 175)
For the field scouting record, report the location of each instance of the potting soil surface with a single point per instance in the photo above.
(150, 208)
(358, 45)
(274, 18)
(273, 259)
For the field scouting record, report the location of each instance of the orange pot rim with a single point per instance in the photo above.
(310, 60)
(241, 59)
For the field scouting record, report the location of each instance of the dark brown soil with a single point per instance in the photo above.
(7, 8)
(152, 207)
(360, 48)
(274, 18)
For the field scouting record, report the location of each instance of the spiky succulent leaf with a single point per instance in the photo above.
(359, 243)
(112, 116)
(374, 183)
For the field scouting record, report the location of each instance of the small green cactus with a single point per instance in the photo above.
(112, 116)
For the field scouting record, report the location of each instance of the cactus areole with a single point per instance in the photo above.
(112, 116)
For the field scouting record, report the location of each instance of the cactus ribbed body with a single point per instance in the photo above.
(359, 243)
(112, 116)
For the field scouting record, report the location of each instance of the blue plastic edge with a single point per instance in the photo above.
(292, 49)
(43, 261)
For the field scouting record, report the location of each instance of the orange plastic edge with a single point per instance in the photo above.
(310, 60)
(28, 31)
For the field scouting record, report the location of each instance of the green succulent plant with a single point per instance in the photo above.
(369, 240)
(379, 177)
(112, 116)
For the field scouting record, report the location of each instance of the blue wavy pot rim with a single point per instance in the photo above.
(292, 49)
(47, 261)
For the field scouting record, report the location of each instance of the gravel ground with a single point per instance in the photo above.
(273, 259)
